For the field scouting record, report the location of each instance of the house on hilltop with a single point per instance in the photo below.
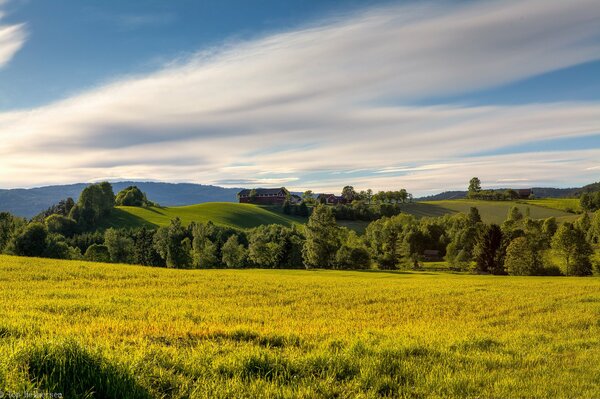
(525, 193)
(330, 199)
(263, 196)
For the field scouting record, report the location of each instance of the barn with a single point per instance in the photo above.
(263, 196)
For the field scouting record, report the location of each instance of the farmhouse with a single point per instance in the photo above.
(263, 196)
(330, 199)
(525, 193)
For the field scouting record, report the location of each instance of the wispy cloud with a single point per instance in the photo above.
(345, 87)
(12, 38)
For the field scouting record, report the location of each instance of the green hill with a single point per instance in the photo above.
(230, 214)
(246, 216)
(490, 211)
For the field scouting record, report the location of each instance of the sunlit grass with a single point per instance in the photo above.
(155, 332)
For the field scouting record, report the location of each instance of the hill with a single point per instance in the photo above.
(222, 213)
(490, 211)
(30, 202)
(539, 192)
(124, 331)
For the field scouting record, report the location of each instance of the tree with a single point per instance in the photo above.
(62, 225)
(487, 251)
(95, 202)
(569, 243)
(322, 240)
(204, 254)
(144, 252)
(233, 253)
(120, 247)
(204, 250)
(8, 224)
(307, 197)
(168, 243)
(97, 253)
(303, 209)
(474, 216)
(132, 196)
(594, 233)
(29, 240)
(522, 258)
(474, 187)
(266, 246)
(348, 193)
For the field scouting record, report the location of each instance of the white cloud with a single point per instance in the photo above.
(12, 38)
(295, 107)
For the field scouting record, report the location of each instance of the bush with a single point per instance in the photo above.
(97, 253)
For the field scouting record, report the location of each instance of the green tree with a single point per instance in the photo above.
(168, 243)
(265, 247)
(233, 253)
(204, 250)
(132, 196)
(120, 247)
(570, 244)
(487, 252)
(61, 225)
(522, 258)
(322, 239)
(97, 253)
(29, 240)
(348, 193)
(95, 202)
(144, 252)
(474, 187)
(474, 216)
(8, 225)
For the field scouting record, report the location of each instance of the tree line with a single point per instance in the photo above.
(519, 246)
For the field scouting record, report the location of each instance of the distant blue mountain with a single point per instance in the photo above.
(30, 202)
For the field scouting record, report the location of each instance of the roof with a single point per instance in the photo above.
(263, 191)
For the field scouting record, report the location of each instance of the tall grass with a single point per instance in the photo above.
(91, 330)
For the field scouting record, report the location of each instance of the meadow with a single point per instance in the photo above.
(222, 213)
(492, 211)
(116, 331)
(245, 216)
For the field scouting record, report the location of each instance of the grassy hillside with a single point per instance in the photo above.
(222, 213)
(490, 211)
(562, 204)
(128, 331)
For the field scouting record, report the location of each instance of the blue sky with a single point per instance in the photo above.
(307, 94)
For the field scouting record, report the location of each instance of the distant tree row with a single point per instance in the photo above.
(520, 246)
(476, 192)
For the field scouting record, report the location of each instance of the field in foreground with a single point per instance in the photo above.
(127, 331)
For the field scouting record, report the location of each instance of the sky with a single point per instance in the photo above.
(421, 95)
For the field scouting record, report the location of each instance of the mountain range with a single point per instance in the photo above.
(30, 202)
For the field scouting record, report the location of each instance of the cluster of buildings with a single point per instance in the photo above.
(277, 196)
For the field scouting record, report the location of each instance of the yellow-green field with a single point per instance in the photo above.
(126, 331)
(490, 211)
(563, 204)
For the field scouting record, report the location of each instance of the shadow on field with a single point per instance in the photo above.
(68, 368)
(396, 272)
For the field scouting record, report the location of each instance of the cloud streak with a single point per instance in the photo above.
(306, 105)
(12, 38)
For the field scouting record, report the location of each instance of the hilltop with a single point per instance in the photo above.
(30, 202)
(227, 214)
